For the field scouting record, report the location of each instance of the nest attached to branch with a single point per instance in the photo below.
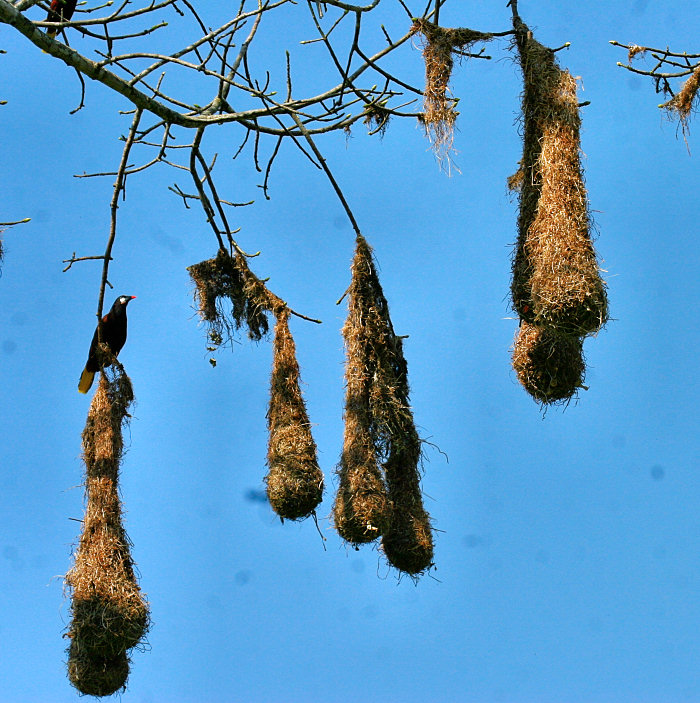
(439, 108)
(295, 481)
(556, 278)
(109, 613)
(549, 366)
(228, 278)
(378, 471)
(681, 105)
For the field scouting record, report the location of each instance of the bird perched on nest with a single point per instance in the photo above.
(60, 11)
(112, 328)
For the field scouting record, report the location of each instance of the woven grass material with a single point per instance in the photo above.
(681, 105)
(294, 481)
(361, 508)
(549, 366)
(408, 539)
(439, 109)
(228, 278)
(379, 492)
(556, 279)
(96, 676)
(109, 613)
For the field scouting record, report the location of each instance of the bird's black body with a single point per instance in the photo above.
(60, 11)
(112, 329)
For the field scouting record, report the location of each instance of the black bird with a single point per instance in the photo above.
(60, 11)
(113, 330)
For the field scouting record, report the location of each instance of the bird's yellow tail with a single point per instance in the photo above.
(85, 381)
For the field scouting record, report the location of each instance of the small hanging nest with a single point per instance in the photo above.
(556, 278)
(295, 481)
(379, 492)
(681, 105)
(439, 110)
(227, 278)
(549, 366)
(109, 613)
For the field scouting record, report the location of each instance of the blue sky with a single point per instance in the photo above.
(567, 543)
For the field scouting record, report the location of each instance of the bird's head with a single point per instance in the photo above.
(121, 302)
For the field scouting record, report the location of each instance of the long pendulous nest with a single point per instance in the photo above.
(439, 108)
(379, 492)
(109, 613)
(294, 481)
(229, 296)
(556, 278)
(549, 366)
(361, 509)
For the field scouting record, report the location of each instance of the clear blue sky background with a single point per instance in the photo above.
(568, 545)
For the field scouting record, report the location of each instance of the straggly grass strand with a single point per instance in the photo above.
(228, 296)
(681, 105)
(439, 109)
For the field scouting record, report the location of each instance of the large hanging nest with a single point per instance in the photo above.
(556, 278)
(379, 492)
(549, 366)
(439, 109)
(228, 278)
(295, 481)
(109, 613)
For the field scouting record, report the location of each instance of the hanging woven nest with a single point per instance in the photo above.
(556, 277)
(294, 481)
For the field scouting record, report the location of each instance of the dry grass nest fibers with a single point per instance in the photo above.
(379, 492)
(109, 613)
(682, 103)
(549, 366)
(556, 278)
(439, 113)
(229, 278)
(96, 676)
(295, 481)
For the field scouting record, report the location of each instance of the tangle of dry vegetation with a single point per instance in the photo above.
(439, 109)
(668, 69)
